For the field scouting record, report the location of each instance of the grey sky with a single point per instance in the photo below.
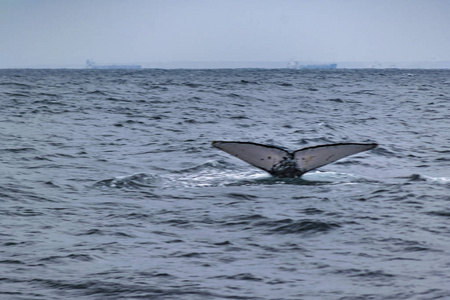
(66, 33)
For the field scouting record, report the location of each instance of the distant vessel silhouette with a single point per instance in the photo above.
(296, 65)
(91, 65)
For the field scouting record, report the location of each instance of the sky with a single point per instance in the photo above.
(65, 33)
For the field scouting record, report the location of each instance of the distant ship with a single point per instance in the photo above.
(91, 65)
(296, 65)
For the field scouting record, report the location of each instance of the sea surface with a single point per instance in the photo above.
(110, 188)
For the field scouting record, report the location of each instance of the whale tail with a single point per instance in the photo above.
(282, 163)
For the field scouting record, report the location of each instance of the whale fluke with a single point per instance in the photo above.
(282, 163)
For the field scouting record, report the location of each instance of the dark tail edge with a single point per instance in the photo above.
(373, 145)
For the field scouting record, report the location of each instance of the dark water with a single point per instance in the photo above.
(110, 189)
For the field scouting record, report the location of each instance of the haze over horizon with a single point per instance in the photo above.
(48, 33)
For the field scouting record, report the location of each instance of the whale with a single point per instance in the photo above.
(281, 163)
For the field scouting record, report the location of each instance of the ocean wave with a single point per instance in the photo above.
(441, 180)
(288, 226)
(139, 180)
(425, 178)
(220, 173)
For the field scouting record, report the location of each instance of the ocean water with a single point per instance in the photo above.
(110, 188)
